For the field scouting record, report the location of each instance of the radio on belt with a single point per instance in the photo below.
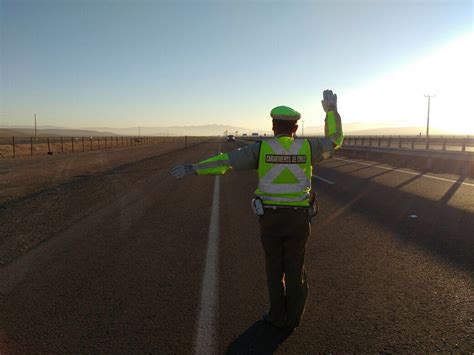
(257, 206)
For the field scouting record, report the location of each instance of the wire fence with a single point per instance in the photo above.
(14, 147)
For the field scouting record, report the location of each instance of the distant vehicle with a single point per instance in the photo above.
(230, 138)
(244, 135)
(254, 134)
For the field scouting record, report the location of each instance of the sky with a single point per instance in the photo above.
(107, 63)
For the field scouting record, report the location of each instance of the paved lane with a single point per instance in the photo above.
(375, 285)
(127, 277)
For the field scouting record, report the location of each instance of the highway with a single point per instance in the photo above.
(138, 262)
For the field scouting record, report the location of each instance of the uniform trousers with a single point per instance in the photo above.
(284, 233)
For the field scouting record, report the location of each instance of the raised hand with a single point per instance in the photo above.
(329, 101)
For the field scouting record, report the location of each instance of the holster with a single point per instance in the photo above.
(313, 204)
(257, 206)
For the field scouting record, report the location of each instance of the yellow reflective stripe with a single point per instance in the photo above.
(216, 165)
(212, 164)
(332, 130)
(213, 171)
(331, 120)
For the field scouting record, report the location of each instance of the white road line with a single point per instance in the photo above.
(322, 179)
(407, 172)
(207, 323)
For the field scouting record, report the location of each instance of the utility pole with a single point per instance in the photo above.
(35, 128)
(428, 116)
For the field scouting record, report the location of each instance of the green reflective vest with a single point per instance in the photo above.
(284, 172)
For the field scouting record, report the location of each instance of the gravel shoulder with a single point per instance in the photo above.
(41, 197)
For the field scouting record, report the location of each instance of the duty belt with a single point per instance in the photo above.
(276, 207)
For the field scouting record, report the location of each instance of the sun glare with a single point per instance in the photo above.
(398, 98)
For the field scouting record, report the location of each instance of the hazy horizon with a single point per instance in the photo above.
(353, 128)
(156, 63)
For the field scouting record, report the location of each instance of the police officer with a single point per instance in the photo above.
(284, 165)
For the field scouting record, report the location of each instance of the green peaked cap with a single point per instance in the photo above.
(285, 113)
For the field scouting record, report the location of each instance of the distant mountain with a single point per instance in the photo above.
(203, 130)
(7, 132)
(30, 127)
(361, 130)
(394, 131)
(347, 127)
(64, 132)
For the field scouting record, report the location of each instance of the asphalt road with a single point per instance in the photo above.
(390, 263)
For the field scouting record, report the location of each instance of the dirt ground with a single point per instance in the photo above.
(23, 176)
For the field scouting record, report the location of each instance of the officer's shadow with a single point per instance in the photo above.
(260, 338)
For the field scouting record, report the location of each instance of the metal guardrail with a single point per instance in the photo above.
(13, 146)
(444, 143)
(433, 143)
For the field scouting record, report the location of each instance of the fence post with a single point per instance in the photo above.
(464, 142)
(105, 140)
(380, 141)
(31, 145)
(399, 141)
(49, 147)
(13, 144)
(444, 143)
(413, 143)
(72, 144)
(82, 139)
(90, 139)
(62, 146)
(363, 139)
(98, 143)
(185, 141)
(390, 141)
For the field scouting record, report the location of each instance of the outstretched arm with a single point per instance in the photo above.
(245, 158)
(332, 122)
(323, 148)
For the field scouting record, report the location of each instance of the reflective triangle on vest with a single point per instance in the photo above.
(286, 177)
